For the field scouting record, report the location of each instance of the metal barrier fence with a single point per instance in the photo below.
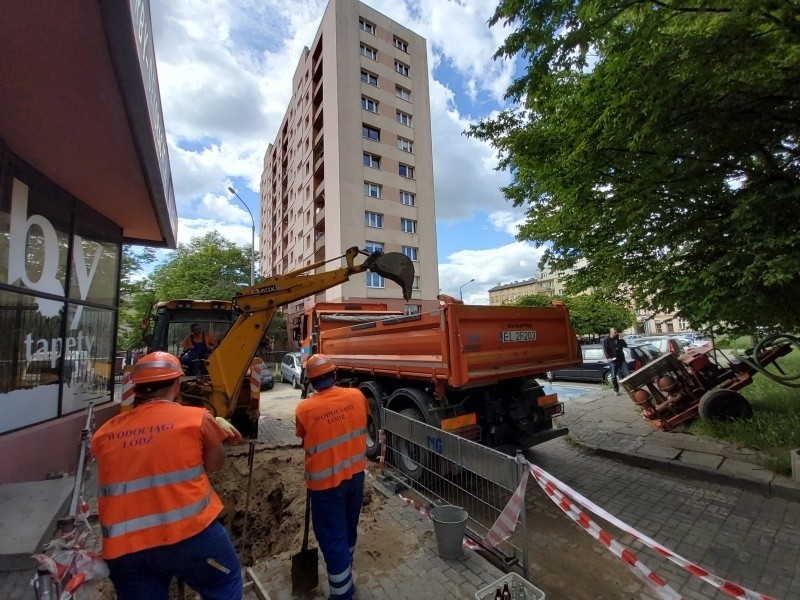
(447, 469)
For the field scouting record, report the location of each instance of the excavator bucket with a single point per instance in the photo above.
(396, 267)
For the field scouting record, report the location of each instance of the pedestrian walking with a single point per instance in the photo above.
(157, 508)
(333, 425)
(613, 350)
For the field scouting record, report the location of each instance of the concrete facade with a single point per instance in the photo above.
(352, 164)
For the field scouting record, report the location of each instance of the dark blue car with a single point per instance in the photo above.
(595, 367)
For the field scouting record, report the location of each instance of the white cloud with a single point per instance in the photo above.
(507, 221)
(491, 267)
(225, 73)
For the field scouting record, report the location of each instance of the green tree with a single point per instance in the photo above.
(659, 140)
(136, 295)
(207, 268)
(591, 314)
(534, 300)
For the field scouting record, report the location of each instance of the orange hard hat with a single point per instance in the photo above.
(319, 365)
(156, 366)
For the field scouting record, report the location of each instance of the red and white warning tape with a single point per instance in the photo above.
(558, 492)
(127, 390)
(506, 523)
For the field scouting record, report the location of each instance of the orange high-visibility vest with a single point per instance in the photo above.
(153, 489)
(334, 427)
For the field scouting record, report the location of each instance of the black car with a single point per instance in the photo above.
(267, 381)
(595, 367)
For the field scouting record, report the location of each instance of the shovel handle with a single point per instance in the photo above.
(308, 518)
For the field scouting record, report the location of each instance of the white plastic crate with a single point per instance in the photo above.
(531, 591)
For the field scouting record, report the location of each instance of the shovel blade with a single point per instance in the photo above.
(396, 267)
(305, 571)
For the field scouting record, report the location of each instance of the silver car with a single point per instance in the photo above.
(291, 369)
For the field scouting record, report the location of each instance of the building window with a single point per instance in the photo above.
(371, 133)
(370, 53)
(406, 171)
(372, 189)
(372, 219)
(402, 93)
(410, 252)
(412, 309)
(401, 44)
(408, 225)
(369, 78)
(407, 198)
(401, 68)
(369, 104)
(372, 160)
(371, 247)
(405, 145)
(374, 280)
(366, 26)
(415, 283)
(404, 118)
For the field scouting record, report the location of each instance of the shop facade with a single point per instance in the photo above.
(83, 170)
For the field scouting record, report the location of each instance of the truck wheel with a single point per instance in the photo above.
(373, 393)
(411, 457)
(724, 405)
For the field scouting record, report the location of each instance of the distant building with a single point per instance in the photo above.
(507, 293)
(352, 164)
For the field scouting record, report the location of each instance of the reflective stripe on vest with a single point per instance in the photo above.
(345, 464)
(145, 483)
(350, 435)
(165, 518)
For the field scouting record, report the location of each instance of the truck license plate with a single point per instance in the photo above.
(517, 336)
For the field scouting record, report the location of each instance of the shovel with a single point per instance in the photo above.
(305, 574)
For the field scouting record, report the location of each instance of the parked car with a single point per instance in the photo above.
(595, 367)
(267, 381)
(666, 344)
(633, 338)
(291, 369)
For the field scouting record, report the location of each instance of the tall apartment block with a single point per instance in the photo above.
(352, 163)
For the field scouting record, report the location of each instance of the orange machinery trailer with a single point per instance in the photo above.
(467, 369)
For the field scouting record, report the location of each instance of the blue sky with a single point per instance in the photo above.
(225, 70)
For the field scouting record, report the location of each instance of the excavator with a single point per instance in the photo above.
(222, 387)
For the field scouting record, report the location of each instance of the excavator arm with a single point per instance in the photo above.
(257, 304)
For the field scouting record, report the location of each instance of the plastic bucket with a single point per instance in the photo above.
(449, 525)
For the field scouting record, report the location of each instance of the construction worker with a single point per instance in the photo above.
(197, 345)
(333, 426)
(157, 509)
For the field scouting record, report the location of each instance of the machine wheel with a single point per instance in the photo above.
(607, 377)
(373, 393)
(411, 459)
(295, 383)
(724, 405)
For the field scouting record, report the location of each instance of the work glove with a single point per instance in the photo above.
(234, 437)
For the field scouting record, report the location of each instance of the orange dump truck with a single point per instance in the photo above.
(467, 369)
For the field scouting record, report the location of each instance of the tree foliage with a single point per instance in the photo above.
(136, 295)
(207, 268)
(659, 140)
(591, 314)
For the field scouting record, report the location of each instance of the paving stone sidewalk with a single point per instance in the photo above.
(611, 426)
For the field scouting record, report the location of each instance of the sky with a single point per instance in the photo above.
(225, 71)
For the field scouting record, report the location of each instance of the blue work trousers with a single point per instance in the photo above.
(619, 369)
(335, 514)
(207, 562)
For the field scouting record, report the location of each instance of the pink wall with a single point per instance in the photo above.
(33, 453)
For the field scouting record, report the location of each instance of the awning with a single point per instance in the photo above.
(79, 101)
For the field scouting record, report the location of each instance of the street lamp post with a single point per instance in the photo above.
(252, 236)
(461, 289)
